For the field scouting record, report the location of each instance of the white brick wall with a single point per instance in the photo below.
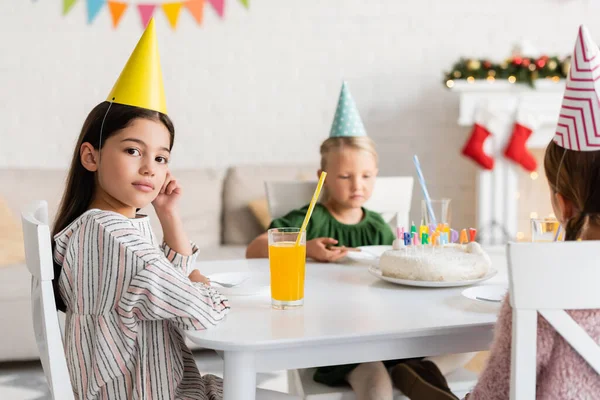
(262, 85)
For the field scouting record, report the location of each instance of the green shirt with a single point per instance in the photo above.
(370, 231)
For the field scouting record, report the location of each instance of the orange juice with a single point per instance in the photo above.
(287, 263)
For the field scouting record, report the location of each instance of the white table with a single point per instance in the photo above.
(348, 316)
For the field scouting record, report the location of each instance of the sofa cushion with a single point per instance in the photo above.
(215, 253)
(244, 184)
(21, 187)
(11, 237)
(200, 206)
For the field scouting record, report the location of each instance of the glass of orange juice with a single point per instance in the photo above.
(287, 262)
(545, 230)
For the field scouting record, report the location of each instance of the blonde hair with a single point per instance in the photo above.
(363, 143)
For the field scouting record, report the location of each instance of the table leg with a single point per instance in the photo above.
(239, 376)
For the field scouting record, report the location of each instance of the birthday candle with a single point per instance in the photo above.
(453, 236)
(434, 239)
(446, 228)
(400, 233)
(425, 238)
(445, 237)
(463, 237)
(413, 230)
(423, 229)
(472, 234)
(406, 239)
(414, 239)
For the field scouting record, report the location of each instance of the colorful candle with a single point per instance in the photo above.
(446, 228)
(472, 234)
(400, 232)
(463, 237)
(453, 236)
(425, 238)
(444, 238)
(422, 230)
(406, 239)
(413, 230)
(434, 239)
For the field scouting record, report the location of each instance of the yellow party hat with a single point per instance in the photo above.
(140, 83)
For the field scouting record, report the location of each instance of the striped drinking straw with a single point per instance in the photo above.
(425, 192)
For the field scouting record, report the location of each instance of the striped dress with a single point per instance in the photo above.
(128, 301)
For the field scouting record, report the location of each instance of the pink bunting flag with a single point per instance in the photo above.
(219, 6)
(146, 12)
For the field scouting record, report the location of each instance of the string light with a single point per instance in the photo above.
(470, 79)
(450, 83)
(512, 79)
(534, 175)
(490, 79)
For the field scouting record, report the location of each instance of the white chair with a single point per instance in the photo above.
(38, 256)
(539, 284)
(391, 198)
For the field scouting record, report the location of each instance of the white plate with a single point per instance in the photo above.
(252, 283)
(376, 272)
(367, 253)
(486, 293)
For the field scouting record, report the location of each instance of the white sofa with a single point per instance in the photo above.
(214, 209)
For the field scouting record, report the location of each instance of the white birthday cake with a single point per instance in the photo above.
(447, 263)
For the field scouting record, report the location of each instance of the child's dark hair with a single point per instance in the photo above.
(576, 176)
(81, 183)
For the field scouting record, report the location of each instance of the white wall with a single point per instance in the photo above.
(262, 85)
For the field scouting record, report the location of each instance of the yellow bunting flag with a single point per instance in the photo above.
(246, 3)
(117, 9)
(67, 5)
(196, 8)
(172, 10)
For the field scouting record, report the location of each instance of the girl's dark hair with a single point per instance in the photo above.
(80, 184)
(576, 176)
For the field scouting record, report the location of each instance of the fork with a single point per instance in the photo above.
(486, 299)
(229, 285)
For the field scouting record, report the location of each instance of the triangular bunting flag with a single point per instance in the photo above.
(196, 8)
(117, 9)
(67, 5)
(93, 8)
(246, 3)
(146, 12)
(219, 6)
(172, 12)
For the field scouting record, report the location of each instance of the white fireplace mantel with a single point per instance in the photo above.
(497, 203)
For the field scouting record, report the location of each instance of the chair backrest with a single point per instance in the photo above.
(391, 197)
(38, 256)
(548, 278)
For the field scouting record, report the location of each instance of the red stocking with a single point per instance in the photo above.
(474, 147)
(516, 149)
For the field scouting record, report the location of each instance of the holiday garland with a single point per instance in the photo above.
(515, 70)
